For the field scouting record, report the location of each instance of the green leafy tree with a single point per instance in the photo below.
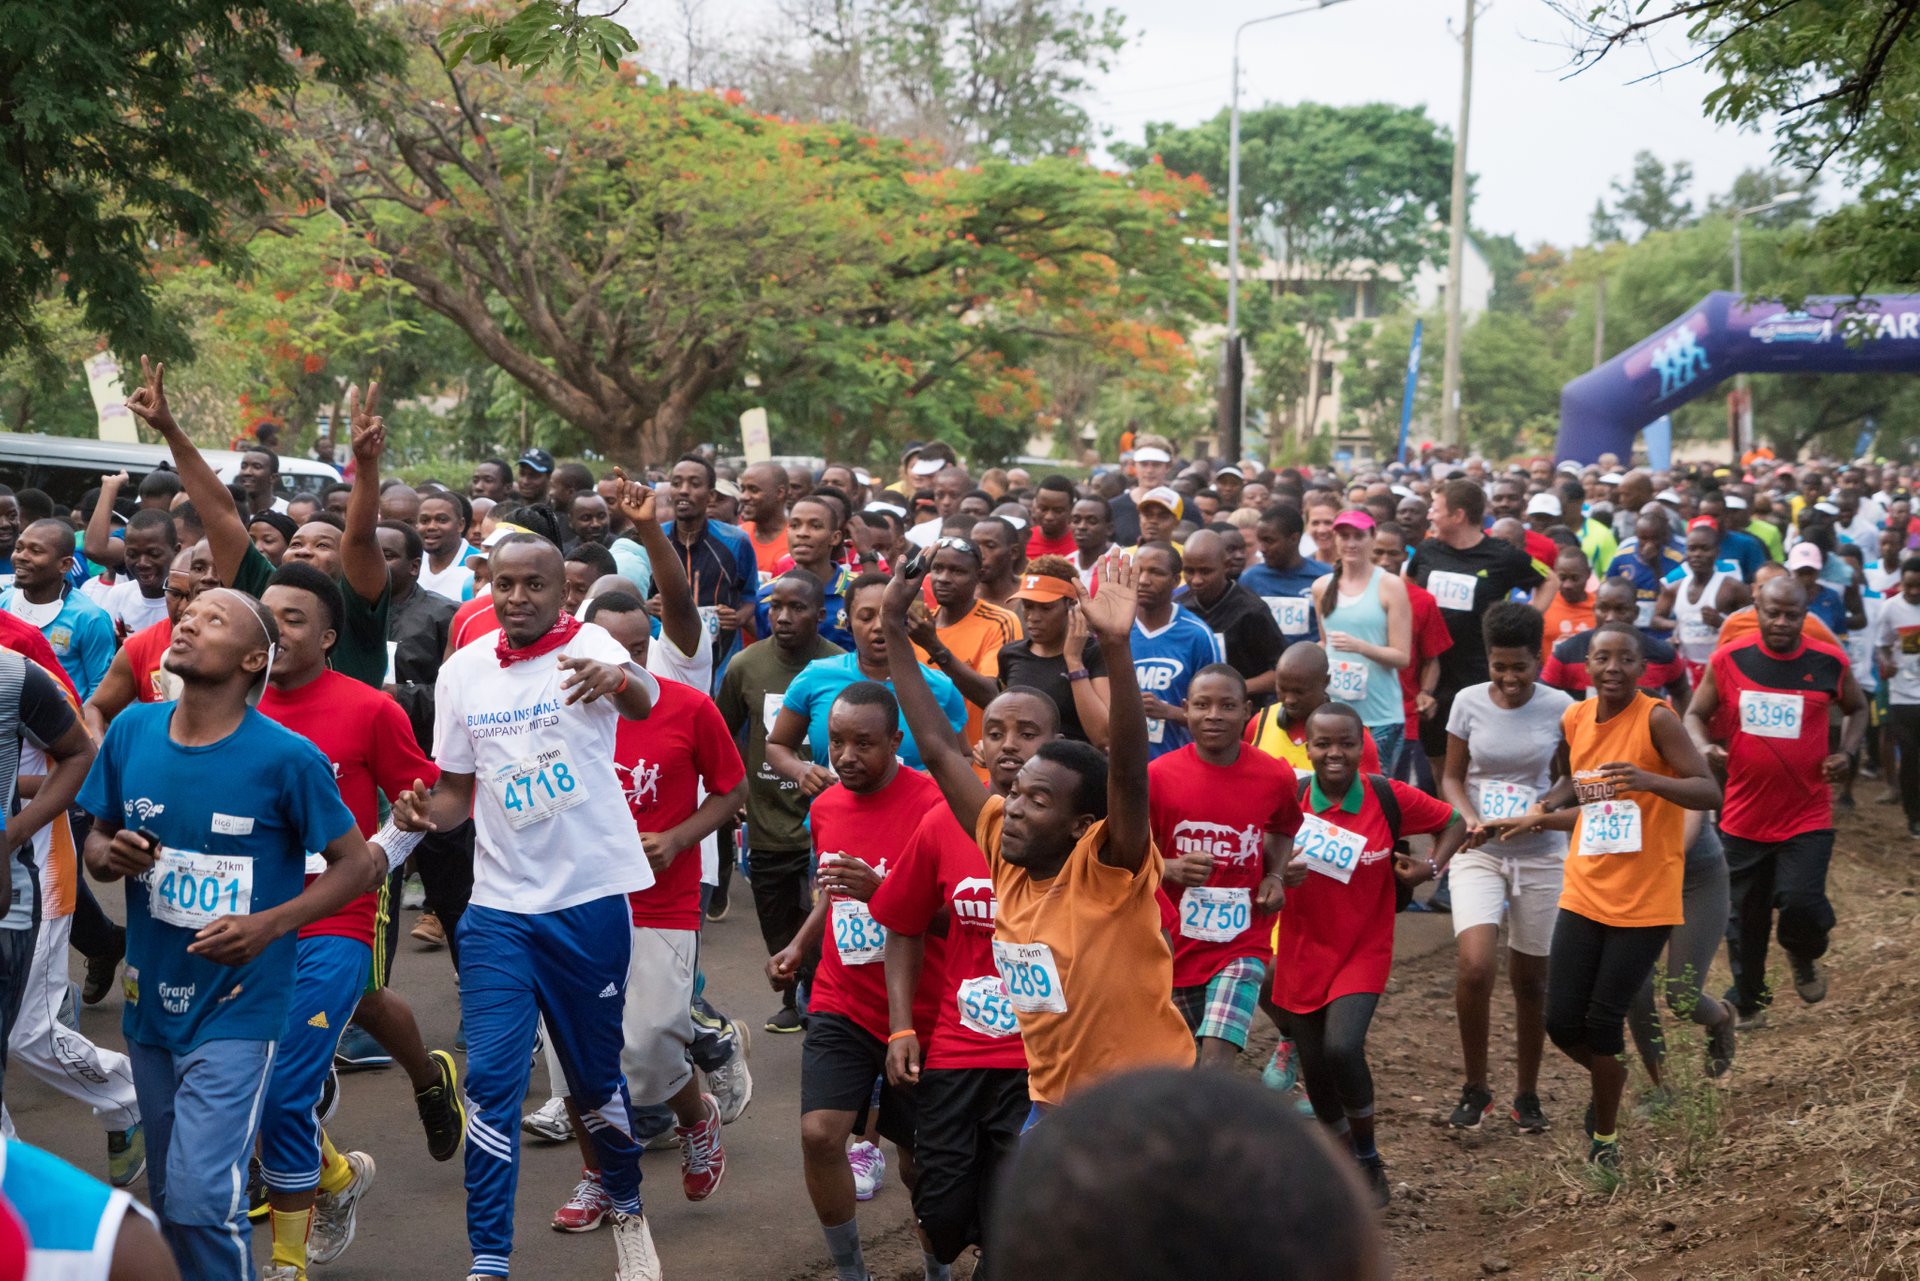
(1653, 196)
(130, 126)
(557, 34)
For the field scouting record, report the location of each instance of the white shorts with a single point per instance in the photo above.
(658, 1020)
(1483, 885)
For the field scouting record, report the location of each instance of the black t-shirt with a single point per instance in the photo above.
(1019, 665)
(1243, 621)
(1497, 567)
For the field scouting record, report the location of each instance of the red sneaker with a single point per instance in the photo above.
(702, 1160)
(587, 1208)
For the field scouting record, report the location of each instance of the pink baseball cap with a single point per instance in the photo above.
(1805, 556)
(1354, 519)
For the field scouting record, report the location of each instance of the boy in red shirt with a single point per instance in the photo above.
(1223, 817)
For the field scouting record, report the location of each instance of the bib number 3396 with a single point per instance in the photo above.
(193, 890)
(1767, 715)
(1032, 978)
(537, 788)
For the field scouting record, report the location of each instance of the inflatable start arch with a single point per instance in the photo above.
(1602, 409)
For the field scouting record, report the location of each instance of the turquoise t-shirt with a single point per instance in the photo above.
(236, 820)
(820, 682)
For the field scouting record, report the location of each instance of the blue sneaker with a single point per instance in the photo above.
(1282, 1072)
(359, 1052)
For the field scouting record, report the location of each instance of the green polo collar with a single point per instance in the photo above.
(1351, 803)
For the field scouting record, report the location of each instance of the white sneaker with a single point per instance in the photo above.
(333, 1213)
(551, 1122)
(634, 1256)
(869, 1169)
(281, 1272)
(413, 895)
(731, 1084)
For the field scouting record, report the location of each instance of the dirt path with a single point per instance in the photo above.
(1804, 1166)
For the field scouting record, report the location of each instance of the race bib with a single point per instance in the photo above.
(316, 864)
(770, 709)
(1293, 613)
(1215, 914)
(193, 890)
(1452, 591)
(1695, 633)
(1643, 614)
(1032, 979)
(710, 619)
(985, 1007)
(1610, 827)
(538, 788)
(1329, 850)
(858, 938)
(1766, 715)
(1156, 731)
(1505, 800)
(1347, 679)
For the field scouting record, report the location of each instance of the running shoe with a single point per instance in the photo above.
(635, 1259)
(1605, 1156)
(101, 969)
(717, 905)
(333, 1212)
(1282, 1072)
(1527, 1116)
(731, 1083)
(1475, 1102)
(1809, 980)
(784, 1020)
(281, 1272)
(587, 1208)
(550, 1122)
(359, 1052)
(1374, 1171)
(869, 1169)
(257, 1203)
(329, 1096)
(428, 932)
(413, 894)
(1913, 829)
(1721, 1042)
(1745, 1022)
(442, 1114)
(126, 1155)
(703, 1162)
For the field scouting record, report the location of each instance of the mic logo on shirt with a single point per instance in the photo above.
(1225, 843)
(642, 783)
(974, 902)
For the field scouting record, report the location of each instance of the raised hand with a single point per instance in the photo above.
(149, 401)
(903, 590)
(1110, 614)
(590, 679)
(116, 482)
(637, 502)
(369, 429)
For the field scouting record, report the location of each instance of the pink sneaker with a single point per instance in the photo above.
(702, 1160)
(869, 1169)
(587, 1208)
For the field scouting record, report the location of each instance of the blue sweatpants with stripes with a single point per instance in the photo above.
(569, 967)
(329, 975)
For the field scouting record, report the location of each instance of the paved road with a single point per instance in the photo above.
(758, 1227)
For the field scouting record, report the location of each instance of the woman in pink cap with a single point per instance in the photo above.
(1367, 621)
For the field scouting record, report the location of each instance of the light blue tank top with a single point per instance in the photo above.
(1372, 689)
(71, 1218)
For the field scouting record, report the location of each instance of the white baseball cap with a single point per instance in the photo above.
(1736, 503)
(927, 466)
(1612, 478)
(1152, 454)
(1543, 505)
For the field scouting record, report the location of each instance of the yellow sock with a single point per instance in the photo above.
(290, 1229)
(1607, 1138)
(335, 1173)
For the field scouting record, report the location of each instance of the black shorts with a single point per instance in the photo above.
(969, 1124)
(838, 1067)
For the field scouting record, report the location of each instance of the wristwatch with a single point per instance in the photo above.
(1079, 674)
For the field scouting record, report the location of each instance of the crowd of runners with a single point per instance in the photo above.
(1037, 786)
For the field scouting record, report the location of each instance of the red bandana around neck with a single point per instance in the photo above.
(563, 630)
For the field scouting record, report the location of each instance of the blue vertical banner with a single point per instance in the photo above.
(1659, 437)
(1864, 445)
(1413, 381)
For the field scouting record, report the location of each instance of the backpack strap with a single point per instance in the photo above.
(1389, 803)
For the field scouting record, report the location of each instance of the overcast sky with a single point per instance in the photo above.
(1543, 146)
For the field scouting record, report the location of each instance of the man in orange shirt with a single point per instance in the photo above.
(1570, 612)
(1742, 623)
(963, 635)
(763, 514)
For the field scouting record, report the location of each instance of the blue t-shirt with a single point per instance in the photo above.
(257, 801)
(1164, 662)
(82, 638)
(820, 682)
(1647, 581)
(1830, 607)
(1744, 550)
(833, 611)
(1273, 586)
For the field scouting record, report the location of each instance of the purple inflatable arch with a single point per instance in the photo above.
(1602, 410)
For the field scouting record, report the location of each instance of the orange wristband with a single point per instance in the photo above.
(903, 1032)
(623, 684)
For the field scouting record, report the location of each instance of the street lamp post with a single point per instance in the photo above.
(1742, 395)
(1233, 379)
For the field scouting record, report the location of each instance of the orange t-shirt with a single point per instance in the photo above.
(1641, 887)
(1745, 622)
(976, 641)
(1099, 927)
(1564, 620)
(769, 554)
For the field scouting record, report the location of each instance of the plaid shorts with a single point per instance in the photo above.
(1223, 1006)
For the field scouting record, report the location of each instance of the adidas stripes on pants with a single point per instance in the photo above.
(329, 974)
(570, 969)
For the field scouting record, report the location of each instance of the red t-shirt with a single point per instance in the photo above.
(1226, 810)
(1776, 742)
(1430, 637)
(663, 761)
(474, 619)
(28, 641)
(144, 649)
(768, 554)
(371, 744)
(943, 871)
(1039, 545)
(1336, 938)
(873, 827)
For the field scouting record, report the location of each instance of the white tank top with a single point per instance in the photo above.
(1697, 638)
